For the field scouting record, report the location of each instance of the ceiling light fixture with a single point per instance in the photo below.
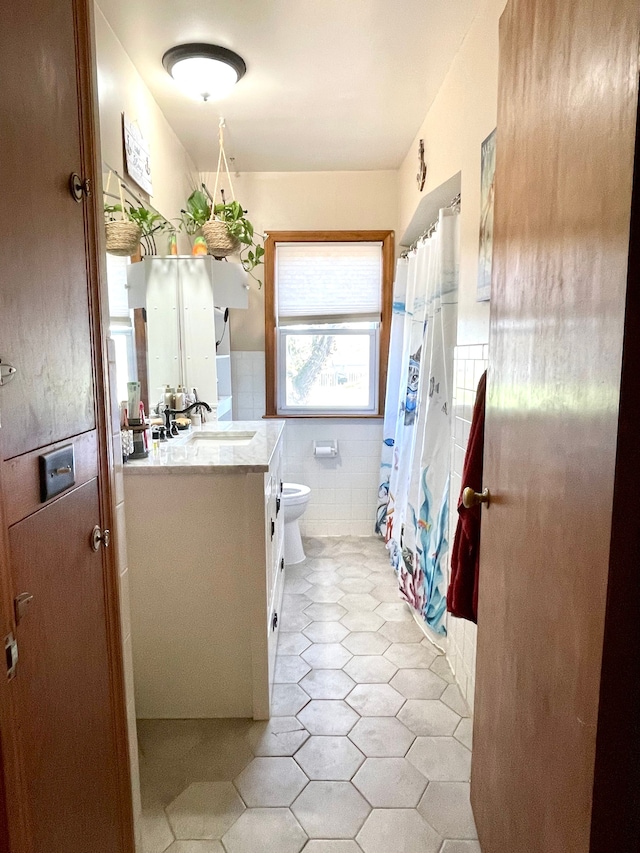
(204, 71)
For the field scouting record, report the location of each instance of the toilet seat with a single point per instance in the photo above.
(295, 493)
(295, 498)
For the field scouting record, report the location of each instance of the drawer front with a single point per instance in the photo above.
(276, 471)
(270, 542)
(273, 625)
(274, 520)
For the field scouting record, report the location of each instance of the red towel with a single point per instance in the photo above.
(462, 597)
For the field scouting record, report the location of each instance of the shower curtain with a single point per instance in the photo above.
(413, 508)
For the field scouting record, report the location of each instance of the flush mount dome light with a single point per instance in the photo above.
(204, 70)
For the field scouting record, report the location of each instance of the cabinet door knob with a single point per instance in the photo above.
(282, 564)
(78, 187)
(100, 537)
(274, 622)
(278, 503)
(471, 498)
(273, 528)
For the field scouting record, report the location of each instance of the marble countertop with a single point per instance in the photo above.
(188, 455)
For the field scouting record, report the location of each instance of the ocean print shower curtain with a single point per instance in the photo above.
(413, 509)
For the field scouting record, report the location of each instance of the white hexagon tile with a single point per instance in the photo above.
(368, 745)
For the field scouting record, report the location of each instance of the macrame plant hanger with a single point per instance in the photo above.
(122, 236)
(219, 242)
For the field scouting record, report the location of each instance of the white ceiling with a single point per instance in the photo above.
(330, 84)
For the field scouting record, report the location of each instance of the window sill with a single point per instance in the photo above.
(334, 417)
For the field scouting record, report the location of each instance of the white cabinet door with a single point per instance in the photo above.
(230, 284)
(163, 325)
(199, 333)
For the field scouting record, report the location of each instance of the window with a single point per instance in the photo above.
(327, 318)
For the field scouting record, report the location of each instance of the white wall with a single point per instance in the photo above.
(344, 490)
(463, 114)
(121, 89)
(306, 201)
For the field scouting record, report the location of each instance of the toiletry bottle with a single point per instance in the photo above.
(124, 431)
(179, 398)
(168, 396)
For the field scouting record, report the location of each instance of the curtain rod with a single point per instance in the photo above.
(453, 204)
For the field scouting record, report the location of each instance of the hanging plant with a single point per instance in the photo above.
(226, 229)
(147, 224)
(196, 213)
(223, 225)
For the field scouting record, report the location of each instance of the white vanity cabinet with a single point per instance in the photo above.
(205, 551)
(274, 538)
(185, 298)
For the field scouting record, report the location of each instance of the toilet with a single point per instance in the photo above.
(295, 498)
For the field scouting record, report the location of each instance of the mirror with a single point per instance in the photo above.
(177, 335)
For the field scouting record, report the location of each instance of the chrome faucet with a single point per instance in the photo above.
(168, 412)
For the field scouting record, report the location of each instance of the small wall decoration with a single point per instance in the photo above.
(487, 179)
(136, 155)
(422, 167)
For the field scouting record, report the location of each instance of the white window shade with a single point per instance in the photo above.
(328, 282)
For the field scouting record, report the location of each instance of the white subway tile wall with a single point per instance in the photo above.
(344, 489)
(469, 364)
(247, 385)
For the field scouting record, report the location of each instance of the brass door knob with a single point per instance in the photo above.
(471, 498)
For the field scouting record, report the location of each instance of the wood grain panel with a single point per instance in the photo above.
(270, 333)
(140, 338)
(4, 823)
(43, 300)
(99, 323)
(565, 147)
(388, 269)
(53, 316)
(22, 475)
(66, 729)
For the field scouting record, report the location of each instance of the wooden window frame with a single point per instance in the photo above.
(387, 238)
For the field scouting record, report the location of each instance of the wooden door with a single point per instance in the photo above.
(69, 759)
(568, 99)
(62, 718)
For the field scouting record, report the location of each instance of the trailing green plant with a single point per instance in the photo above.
(149, 222)
(198, 212)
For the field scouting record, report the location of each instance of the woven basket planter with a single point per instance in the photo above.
(219, 242)
(123, 238)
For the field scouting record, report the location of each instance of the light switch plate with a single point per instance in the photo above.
(57, 472)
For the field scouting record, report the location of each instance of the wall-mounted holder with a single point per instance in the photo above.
(57, 472)
(325, 449)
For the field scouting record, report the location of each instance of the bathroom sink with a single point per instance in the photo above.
(226, 437)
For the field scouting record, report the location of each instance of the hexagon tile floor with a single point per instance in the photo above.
(368, 748)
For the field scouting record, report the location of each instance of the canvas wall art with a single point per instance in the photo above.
(487, 182)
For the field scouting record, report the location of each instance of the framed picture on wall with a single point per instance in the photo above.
(487, 181)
